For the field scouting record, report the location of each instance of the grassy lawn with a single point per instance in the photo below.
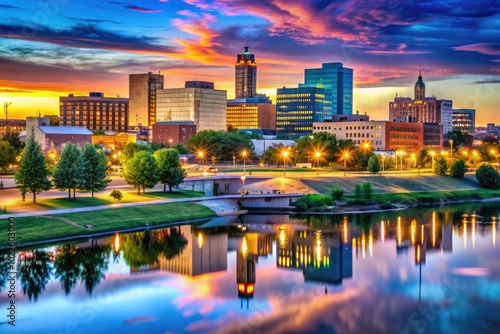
(435, 196)
(29, 229)
(99, 199)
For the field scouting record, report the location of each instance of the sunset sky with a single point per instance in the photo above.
(50, 48)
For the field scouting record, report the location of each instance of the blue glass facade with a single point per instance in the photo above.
(298, 108)
(337, 82)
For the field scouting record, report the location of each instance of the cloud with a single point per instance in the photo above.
(487, 82)
(9, 7)
(492, 49)
(88, 36)
(143, 10)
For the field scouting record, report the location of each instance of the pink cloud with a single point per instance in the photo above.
(484, 48)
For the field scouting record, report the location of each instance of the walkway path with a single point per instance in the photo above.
(65, 220)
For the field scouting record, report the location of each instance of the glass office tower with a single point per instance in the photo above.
(298, 108)
(337, 82)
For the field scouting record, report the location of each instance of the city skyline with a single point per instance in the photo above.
(54, 48)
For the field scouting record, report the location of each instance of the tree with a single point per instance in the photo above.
(488, 177)
(69, 171)
(458, 169)
(95, 166)
(32, 175)
(169, 168)
(7, 154)
(14, 140)
(130, 150)
(141, 171)
(358, 191)
(440, 167)
(181, 148)
(374, 164)
(117, 195)
(367, 191)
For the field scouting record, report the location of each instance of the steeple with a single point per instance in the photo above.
(419, 92)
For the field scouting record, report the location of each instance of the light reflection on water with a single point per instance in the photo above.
(431, 270)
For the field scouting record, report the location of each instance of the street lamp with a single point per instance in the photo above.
(383, 163)
(200, 156)
(493, 152)
(474, 154)
(285, 155)
(346, 155)
(401, 153)
(244, 154)
(318, 155)
(432, 155)
(170, 141)
(234, 163)
(451, 149)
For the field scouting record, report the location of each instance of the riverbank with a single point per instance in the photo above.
(401, 201)
(40, 229)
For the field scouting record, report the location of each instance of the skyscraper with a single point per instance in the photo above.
(142, 99)
(245, 75)
(337, 82)
(298, 108)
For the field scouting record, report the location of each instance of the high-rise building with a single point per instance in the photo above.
(245, 75)
(464, 120)
(422, 109)
(298, 108)
(143, 99)
(251, 113)
(198, 102)
(337, 82)
(95, 112)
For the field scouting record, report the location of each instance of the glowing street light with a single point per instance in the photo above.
(346, 155)
(244, 155)
(383, 163)
(401, 153)
(317, 155)
(285, 156)
(200, 156)
(432, 155)
(474, 154)
(451, 149)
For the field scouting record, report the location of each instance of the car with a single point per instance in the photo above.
(212, 169)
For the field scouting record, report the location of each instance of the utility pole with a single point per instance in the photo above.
(6, 107)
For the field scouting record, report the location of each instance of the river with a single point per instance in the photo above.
(421, 270)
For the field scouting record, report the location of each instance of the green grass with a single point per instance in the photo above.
(40, 228)
(435, 196)
(99, 199)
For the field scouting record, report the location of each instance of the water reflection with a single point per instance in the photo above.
(374, 269)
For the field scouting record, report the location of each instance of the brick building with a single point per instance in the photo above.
(172, 133)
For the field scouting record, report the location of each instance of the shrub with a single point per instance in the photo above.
(337, 193)
(117, 195)
(358, 192)
(374, 164)
(458, 169)
(300, 206)
(367, 191)
(488, 177)
(440, 167)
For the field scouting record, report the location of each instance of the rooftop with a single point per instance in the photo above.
(65, 130)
